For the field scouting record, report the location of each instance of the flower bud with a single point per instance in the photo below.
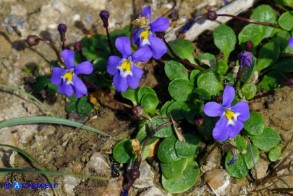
(104, 14)
(32, 40)
(137, 111)
(212, 15)
(133, 174)
(249, 46)
(77, 46)
(198, 120)
(245, 59)
(62, 30)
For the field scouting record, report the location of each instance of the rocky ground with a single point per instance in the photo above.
(59, 148)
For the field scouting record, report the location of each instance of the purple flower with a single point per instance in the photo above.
(66, 79)
(245, 59)
(291, 42)
(145, 35)
(231, 117)
(126, 73)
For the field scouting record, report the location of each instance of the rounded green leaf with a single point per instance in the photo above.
(173, 169)
(192, 77)
(177, 110)
(248, 90)
(208, 59)
(222, 67)
(84, 107)
(255, 124)
(285, 21)
(183, 182)
(180, 89)
(166, 151)
(251, 156)
(123, 152)
(210, 82)
(271, 80)
(285, 2)
(238, 169)
(174, 69)
(275, 153)
(225, 39)
(267, 140)
(251, 32)
(165, 131)
(143, 91)
(163, 109)
(240, 142)
(268, 55)
(150, 102)
(189, 148)
(130, 94)
(183, 48)
(284, 65)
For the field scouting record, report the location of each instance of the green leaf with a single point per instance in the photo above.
(268, 55)
(248, 90)
(251, 32)
(183, 48)
(288, 3)
(285, 21)
(84, 107)
(130, 94)
(255, 124)
(183, 182)
(123, 152)
(177, 110)
(275, 153)
(240, 142)
(210, 82)
(251, 157)
(41, 83)
(48, 120)
(150, 102)
(222, 67)
(174, 69)
(166, 151)
(173, 169)
(271, 80)
(192, 77)
(283, 37)
(225, 40)
(143, 91)
(201, 94)
(284, 65)
(164, 108)
(208, 59)
(238, 169)
(189, 148)
(180, 89)
(71, 106)
(267, 140)
(165, 131)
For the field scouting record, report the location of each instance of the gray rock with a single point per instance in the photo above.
(146, 178)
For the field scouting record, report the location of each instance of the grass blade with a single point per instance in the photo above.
(48, 120)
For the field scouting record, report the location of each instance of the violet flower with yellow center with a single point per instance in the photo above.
(66, 79)
(126, 73)
(231, 117)
(145, 35)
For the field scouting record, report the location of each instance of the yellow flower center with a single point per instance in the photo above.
(229, 114)
(68, 76)
(126, 65)
(145, 34)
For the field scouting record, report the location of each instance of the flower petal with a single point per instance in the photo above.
(79, 87)
(235, 129)
(220, 131)
(120, 83)
(161, 24)
(290, 42)
(142, 54)
(113, 63)
(228, 96)
(133, 82)
(84, 68)
(66, 89)
(57, 73)
(158, 47)
(213, 109)
(136, 71)
(123, 46)
(68, 58)
(147, 12)
(135, 36)
(243, 109)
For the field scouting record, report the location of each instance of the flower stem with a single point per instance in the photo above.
(109, 40)
(51, 44)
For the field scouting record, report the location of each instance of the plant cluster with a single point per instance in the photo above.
(209, 93)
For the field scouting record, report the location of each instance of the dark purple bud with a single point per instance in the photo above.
(245, 59)
(77, 46)
(249, 46)
(62, 30)
(198, 120)
(124, 193)
(104, 14)
(137, 111)
(212, 15)
(133, 174)
(32, 40)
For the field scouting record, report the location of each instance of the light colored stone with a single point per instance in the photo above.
(99, 164)
(70, 183)
(260, 169)
(154, 191)
(146, 178)
(218, 180)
